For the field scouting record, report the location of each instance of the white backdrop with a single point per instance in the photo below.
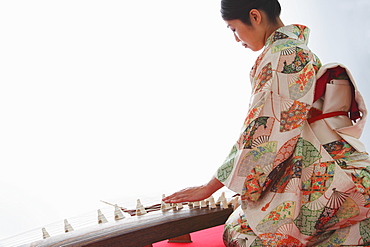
(114, 99)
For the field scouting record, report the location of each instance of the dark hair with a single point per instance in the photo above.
(239, 9)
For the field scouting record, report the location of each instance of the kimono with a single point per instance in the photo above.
(301, 172)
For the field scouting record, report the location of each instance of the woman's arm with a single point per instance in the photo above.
(196, 193)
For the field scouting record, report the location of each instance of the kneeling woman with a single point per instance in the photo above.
(302, 173)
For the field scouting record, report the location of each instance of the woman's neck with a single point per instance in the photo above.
(272, 27)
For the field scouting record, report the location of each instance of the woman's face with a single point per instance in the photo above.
(252, 37)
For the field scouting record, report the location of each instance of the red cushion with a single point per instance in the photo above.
(211, 237)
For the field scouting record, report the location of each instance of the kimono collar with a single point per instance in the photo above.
(295, 31)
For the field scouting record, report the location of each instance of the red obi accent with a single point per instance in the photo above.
(327, 115)
(335, 73)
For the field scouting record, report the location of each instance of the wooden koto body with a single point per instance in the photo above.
(138, 231)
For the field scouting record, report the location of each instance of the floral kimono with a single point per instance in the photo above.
(302, 174)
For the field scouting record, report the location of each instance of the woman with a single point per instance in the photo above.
(302, 173)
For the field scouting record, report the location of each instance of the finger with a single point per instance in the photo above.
(176, 198)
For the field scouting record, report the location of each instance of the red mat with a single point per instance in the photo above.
(211, 237)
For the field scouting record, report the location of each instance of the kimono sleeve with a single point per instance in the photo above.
(283, 88)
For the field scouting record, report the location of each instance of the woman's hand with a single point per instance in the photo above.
(193, 194)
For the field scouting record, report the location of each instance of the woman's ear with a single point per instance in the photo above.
(255, 16)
